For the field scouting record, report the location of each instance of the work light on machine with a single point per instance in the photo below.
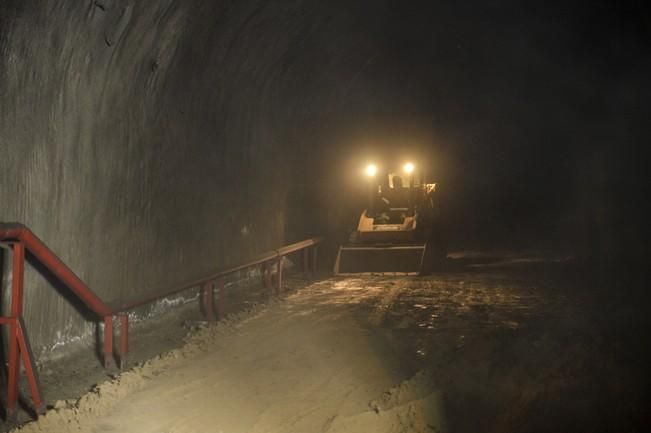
(371, 170)
(408, 168)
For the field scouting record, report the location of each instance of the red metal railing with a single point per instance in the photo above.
(21, 239)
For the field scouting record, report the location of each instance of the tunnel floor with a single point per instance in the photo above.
(496, 346)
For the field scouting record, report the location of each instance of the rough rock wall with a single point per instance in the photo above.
(147, 142)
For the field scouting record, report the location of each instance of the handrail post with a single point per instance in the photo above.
(266, 277)
(207, 300)
(12, 373)
(17, 279)
(17, 274)
(279, 275)
(306, 263)
(30, 367)
(221, 299)
(313, 259)
(124, 340)
(108, 342)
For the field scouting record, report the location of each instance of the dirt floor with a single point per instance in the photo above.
(493, 344)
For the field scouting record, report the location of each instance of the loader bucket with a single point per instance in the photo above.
(402, 259)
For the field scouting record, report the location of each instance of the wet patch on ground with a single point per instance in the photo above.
(514, 348)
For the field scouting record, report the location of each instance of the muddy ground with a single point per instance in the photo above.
(494, 344)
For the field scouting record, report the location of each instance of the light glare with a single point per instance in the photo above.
(371, 169)
(408, 168)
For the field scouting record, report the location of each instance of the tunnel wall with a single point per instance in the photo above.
(149, 142)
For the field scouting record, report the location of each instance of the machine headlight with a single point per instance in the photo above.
(408, 168)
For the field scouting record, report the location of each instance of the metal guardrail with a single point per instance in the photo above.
(21, 239)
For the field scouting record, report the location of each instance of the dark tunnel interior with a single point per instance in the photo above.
(148, 141)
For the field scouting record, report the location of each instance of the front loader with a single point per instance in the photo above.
(400, 231)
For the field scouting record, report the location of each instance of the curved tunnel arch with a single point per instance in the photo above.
(144, 136)
(140, 138)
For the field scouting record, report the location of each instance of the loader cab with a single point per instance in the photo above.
(391, 209)
(392, 198)
(397, 192)
(392, 202)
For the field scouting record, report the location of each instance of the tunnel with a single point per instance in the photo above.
(149, 146)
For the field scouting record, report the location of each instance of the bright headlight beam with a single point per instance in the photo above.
(408, 168)
(371, 170)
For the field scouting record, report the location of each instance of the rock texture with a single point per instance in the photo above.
(148, 142)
